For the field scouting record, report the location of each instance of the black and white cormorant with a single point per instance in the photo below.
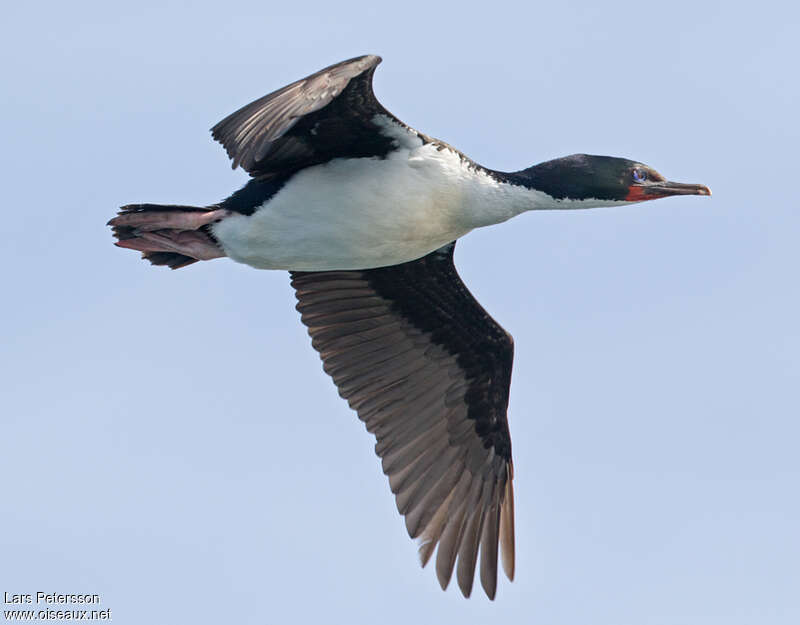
(364, 211)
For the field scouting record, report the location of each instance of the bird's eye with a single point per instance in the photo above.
(639, 175)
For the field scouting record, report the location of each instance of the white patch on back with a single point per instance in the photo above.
(403, 137)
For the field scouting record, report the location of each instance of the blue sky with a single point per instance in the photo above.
(169, 438)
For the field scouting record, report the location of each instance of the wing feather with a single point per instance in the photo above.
(326, 115)
(428, 371)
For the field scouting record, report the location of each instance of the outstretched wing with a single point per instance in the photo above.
(428, 371)
(326, 115)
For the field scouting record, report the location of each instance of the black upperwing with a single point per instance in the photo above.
(326, 115)
(428, 371)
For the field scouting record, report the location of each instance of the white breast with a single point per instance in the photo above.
(363, 213)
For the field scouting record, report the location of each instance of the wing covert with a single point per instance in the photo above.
(323, 116)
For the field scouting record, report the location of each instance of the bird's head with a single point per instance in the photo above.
(586, 177)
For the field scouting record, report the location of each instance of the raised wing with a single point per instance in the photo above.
(428, 371)
(326, 115)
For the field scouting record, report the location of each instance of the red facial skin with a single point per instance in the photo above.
(638, 194)
(662, 188)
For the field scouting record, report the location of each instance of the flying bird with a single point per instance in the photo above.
(364, 211)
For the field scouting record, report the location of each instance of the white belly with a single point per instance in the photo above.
(360, 213)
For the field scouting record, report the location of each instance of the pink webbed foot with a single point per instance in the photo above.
(146, 221)
(174, 236)
(192, 243)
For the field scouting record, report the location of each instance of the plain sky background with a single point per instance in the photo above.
(169, 439)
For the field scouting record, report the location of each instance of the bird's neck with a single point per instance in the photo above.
(501, 196)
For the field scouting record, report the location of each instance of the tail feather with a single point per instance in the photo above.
(143, 208)
(170, 259)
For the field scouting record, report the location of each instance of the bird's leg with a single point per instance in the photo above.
(192, 243)
(145, 221)
(175, 231)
